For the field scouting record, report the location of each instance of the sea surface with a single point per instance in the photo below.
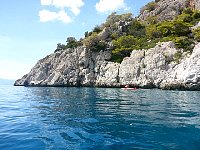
(48, 118)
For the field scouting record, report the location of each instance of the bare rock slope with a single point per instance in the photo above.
(144, 68)
(168, 9)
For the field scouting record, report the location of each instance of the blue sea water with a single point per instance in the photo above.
(39, 118)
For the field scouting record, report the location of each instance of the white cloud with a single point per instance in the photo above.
(46, 2)
(46, 15)
(75, 10)
(105, 6)
(73, 5)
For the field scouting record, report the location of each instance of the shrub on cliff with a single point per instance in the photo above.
(196, 14)
(125, 33)
(177, 30)
(60, 47)
(94, 43)
(113, 18)
(184, 42)
(123, 47)
(180, 28)
(188, 11)
(145, 35)
(124, 42)
(72, 42)
(185, 17)
(127, 43)
(152, 32)
(148, 7)
(177, 57)
(136, 29)
(168, 28)
(97, 29)
(196, 33)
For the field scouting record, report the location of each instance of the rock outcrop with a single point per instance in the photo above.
(144, 68)
(195, 4)
(168, 9)
(73, 67)
(148, 68)
(185, 75)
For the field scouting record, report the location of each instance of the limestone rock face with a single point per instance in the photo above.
(147, 68)
(165, 10)
(185, 75)
(195, 4)
(168, 9)
(73, 67)
(144, 68)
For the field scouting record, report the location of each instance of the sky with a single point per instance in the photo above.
(31, 29)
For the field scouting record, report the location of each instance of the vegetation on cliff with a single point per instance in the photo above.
(123, 33)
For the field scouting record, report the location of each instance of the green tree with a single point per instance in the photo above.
(188, 11)
(149, 7)
(185, 18)
(184, 42)
(180, 29)
(60, 47)
(196, 33)
(123, 47)
(165, 28)
(113, 18)
(152, 32)
(124, 42)
(196, 14)
(94, 42)
(136, 29)
(97, 29)
(72, 42)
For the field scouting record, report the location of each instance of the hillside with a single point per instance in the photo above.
(146, 53)
(123, 33)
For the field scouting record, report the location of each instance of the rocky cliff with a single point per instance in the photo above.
(167, 9)
(185, 75)
(168, 65)
(194, 4)
(144, 68)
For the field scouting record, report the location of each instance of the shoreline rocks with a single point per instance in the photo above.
(152, 68)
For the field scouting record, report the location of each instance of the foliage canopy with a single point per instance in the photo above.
(124, 33)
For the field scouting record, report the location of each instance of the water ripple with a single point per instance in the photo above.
(98, 118)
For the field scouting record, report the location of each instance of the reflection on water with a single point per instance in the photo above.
(98, 118)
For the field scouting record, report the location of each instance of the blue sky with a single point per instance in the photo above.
(31, 29)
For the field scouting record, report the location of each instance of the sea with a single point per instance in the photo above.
(70, 118)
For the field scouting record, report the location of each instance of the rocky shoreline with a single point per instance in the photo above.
(152, 68)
